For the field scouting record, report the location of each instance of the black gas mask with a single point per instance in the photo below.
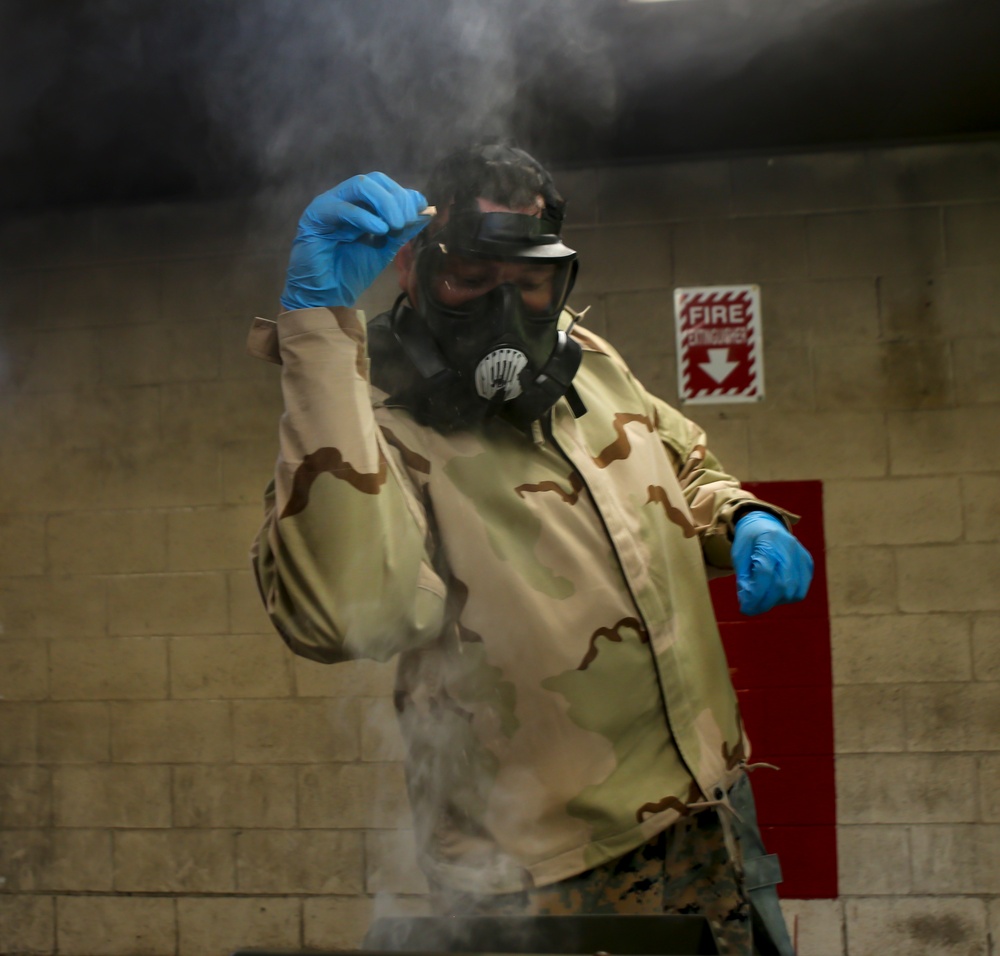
(484, 334)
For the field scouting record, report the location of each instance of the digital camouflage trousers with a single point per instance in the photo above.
(687, 869)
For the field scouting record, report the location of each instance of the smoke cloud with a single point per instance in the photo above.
(146, 99)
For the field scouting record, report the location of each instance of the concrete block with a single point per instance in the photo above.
(229, 227)
(209, 288)
(174, 861)
(74, 733)
(234, 796)
(874, 242)
(218, 411)
(24, 544)
(357, 796)
(986, 647)
(336, 922)
(31, 482)
(55, 606)
(116, 926)
(989, 788)
(940, 172)
(805, 182)
(172, 731)
(906, 788)
(977, 370)
(957, 858)
(295, 731)
(221, 925)
(349, 679)
(55, 860)
(873, 860)
(943, 305)
(27, 800)
(20, 292)
(580, 188)
(822, 445)
(737, 251)
(954, 577)
(896, 649)
(45, 361)
(125, 293)
(952, 717)
(972, 234)
(97, 417)
(663, 191)
(944, 442)
(247, 467)
(789, 382)
(981, 507)
(167, 604)
(25, 674)
(148, 475)
(235, 364)
(18, 732)
(820, 312)
(893, 511)
(856, 732)
(816, 926)
(381, 739)
(106, 542)
(75, 237)
(111, 796)
(623, 258)
(905, 375)
(299, 861)
(210, 539)
(159, 353)
(115, 668)
(27, 924)
(244, 665)
(927, 926)
(391, 863)
(641, 328)
(246, 610)
(917, 375)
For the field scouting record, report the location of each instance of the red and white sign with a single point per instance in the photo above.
(720, 353)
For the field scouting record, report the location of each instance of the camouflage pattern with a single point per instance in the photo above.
(561, 687)
(686, 870)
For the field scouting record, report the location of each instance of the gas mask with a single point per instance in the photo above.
(484, 333)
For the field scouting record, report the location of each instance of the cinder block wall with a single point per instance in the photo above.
(174, 782)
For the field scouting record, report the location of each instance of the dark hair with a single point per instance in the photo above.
(500, 172)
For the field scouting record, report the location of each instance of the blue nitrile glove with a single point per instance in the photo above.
(346, 237)
(771, 565)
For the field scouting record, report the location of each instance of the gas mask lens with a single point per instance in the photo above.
(458, 281)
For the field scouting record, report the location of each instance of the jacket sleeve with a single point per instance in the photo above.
(343, 558)
(714, 497)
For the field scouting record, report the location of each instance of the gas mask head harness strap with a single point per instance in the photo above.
(483, 334)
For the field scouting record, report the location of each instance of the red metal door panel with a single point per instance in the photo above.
(780, 662)
(806, 854)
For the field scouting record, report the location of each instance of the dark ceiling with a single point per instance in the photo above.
(136, 100)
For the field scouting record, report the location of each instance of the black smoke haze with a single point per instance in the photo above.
(117, 101)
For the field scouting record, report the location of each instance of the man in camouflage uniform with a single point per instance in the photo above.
(476, 485)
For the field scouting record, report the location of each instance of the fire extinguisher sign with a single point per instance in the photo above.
(720, 355)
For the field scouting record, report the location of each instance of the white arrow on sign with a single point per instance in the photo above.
(718, 367)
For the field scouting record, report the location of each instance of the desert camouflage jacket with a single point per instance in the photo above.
(562, 689)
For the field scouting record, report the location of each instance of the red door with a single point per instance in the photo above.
(780, 663)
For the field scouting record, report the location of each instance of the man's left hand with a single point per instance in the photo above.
(771, 565)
